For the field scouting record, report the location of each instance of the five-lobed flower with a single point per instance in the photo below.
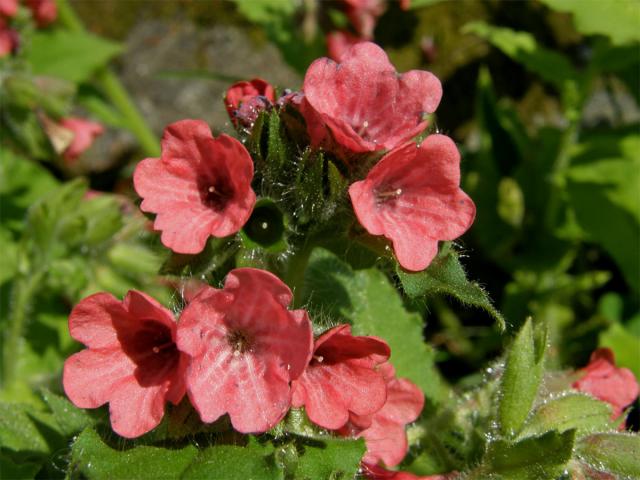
(412, 196)
(342, 378)
(362, 104)
(200, 187)
(245, 348)
(131, 360)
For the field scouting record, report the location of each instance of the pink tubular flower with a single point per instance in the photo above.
(376, 472)
(245, 348)
(412, 197)
(245, 100)
(84, 133)
(602, 379)
(363, 15)
(342, 378)
(44, 11)
(384, 431)
(201, 186)
(9, 39)
(339, 42)
(364, 103)
(131, 361)
(8, 8)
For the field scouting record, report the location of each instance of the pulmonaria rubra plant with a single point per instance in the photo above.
(287, 245)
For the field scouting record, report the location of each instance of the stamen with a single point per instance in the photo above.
(363, 128)
(164, 346)
(318, 358)
(389, 193)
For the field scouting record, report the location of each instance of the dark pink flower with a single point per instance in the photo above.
(84, 133)
(376, 472)
(384, 431)
(245, 348)
(413, 197)
(342, 378)
(363, 15)
(339, 42)
(245, 100)
(131, 361)
(8, 8)
(602, 379)
(364, 103)
(44, 11)
(200, 187)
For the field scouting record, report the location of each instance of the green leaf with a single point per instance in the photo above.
(521, 379)
(617, 19)
(17, 471)
(422, 3)
(618, 453)
(625, 346)
(19, 431)
(69, 418)
(367, 300)
(331, 459)
(232, 462)
(523, 48)
(94, 459)
(574, 411)
(72, 56)
(446, 276)
(534, 458)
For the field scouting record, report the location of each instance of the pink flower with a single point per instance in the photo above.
(376, 472)
(384, 431)
(8, 8)
(602, 379)
(245, 100)
(339, 42)
(44, 11)
(363, 15)
(246, 348)
(9, 39)
(364, 103)
(84, 133)
(200, 187)
(131, 361)
(412, 197)
(342, 378)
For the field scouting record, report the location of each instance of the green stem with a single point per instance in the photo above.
(114, 89)
(296, 267)
(23, 289)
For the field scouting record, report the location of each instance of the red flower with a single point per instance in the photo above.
(412, 197)
(245, 100)
(339, 42)
(602, 379)
(201, 186)
(44, 11)
(363, 15)
(131, 361)
(8, 8)
(384, 431)
(84, 133)
(246, 348)
(341, 378)
(365, 103)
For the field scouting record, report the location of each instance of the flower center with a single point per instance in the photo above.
(240, 341)
(215, 195)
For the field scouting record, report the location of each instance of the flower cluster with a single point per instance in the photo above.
(239, 350)
(43, 12)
